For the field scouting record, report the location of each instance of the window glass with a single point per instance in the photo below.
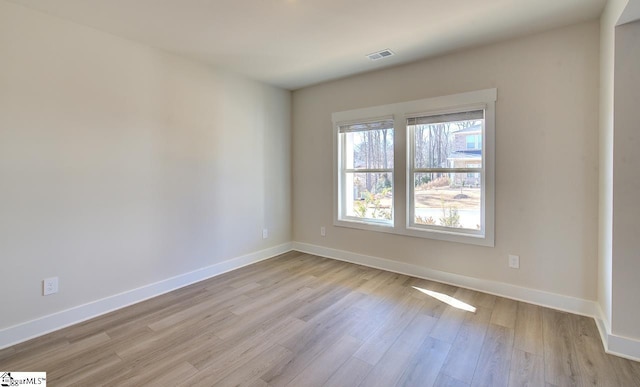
(366, 174)
(444, 145)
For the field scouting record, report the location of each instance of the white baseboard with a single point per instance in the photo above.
(532, 296)
(616, 345)
(46, 324)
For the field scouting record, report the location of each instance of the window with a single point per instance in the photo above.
(447, 176)
(474, 141)
(444, 148)
(366, 171)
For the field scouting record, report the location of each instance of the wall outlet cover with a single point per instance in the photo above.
(514, 261)
(49, 286)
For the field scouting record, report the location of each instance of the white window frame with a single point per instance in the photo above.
(402, 182)
(340, 171)
(343, 171)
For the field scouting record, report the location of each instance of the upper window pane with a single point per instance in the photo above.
(368, 146)
(447, 140)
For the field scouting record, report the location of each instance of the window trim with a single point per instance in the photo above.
(401, 180)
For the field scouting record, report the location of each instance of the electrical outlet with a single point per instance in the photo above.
(323, 231)
(514, 261)
(265, 233)
(49, 286)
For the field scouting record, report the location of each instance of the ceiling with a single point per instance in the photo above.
(296, 43)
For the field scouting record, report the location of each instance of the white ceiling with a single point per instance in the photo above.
(631, 12)
(296, 43)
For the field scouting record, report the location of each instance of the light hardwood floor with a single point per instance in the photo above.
(302, 320)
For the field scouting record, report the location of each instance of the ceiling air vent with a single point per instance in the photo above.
(380, 54)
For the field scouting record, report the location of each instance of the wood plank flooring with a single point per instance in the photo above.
(302, 320)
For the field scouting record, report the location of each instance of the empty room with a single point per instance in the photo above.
(319, 193)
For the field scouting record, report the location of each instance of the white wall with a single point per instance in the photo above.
(618, 259)
(608, 21)
(547, 159)
(625, 319)
(122, 165)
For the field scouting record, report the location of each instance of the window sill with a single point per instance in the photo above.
(441, 235)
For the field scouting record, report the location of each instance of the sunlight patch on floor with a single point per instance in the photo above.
(447, 299)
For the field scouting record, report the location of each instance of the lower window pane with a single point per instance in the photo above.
(448, 200)
(369, 195)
